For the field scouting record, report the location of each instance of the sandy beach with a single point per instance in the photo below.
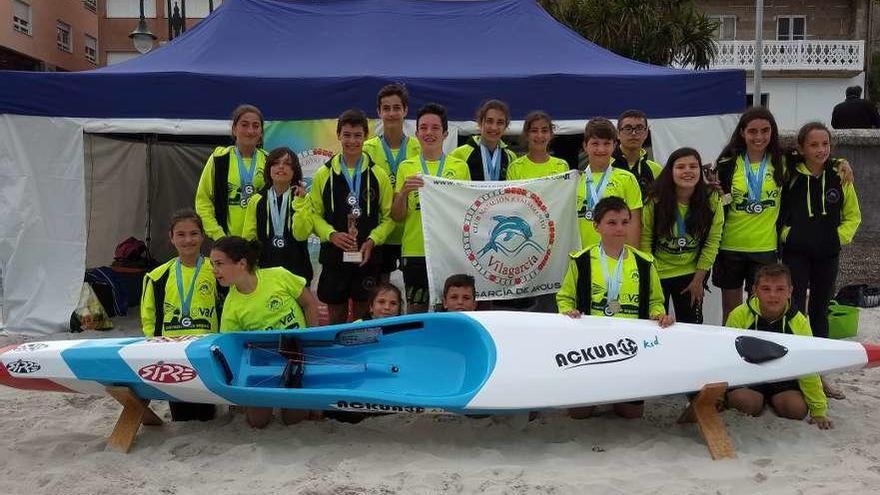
(53, 443)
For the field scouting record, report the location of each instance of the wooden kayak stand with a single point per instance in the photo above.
(135, 412)
(703, 410)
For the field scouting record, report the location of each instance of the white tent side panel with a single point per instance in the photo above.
(708, 135)
(42, 229)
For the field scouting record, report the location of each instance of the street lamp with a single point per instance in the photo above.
(142, 37)
(759, 52)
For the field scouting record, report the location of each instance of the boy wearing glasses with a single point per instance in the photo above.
(632, 128)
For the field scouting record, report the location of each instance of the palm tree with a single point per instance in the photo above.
(659, 32)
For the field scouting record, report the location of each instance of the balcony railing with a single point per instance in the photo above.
(843, 55)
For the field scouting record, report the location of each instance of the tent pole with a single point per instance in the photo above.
(150, 140)
(759, 51)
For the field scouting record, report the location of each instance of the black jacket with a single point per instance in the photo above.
(855, 113)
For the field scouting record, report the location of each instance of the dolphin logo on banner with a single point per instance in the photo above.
(504, 231)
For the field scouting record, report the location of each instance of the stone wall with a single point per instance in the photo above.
(825, 19)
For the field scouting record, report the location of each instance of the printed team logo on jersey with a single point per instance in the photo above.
(167, 373)
(233, 194)
(832, 196)
(205, 288)
(173, 339)
(367, 283)
(22, 367)
(32, 346)
(508, 235)
(274, 303)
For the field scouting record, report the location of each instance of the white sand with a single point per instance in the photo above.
(54, 443)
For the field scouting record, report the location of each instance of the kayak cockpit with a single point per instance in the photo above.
(411, 356)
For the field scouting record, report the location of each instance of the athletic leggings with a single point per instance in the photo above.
(819, 275)
(684, 312)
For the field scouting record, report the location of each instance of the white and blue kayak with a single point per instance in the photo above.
(481, 362)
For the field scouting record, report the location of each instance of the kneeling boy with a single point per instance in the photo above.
(770, 310)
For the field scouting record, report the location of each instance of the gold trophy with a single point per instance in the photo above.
(353, 256)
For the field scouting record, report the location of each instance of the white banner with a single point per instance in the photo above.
(514, 237)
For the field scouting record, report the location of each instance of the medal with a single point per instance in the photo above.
(277, 207)
(246, 176)
(614, 304)
(356, 212)
(681, 226)
(592, 195)
(612, 281)
(278, 242)
(588, 214)
(755, 182)
(425, 170)
(186, 297)
(394, 161)
(612, 308)
(353, 180)
(491, 162)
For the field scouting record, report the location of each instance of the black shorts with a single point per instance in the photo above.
(339, 283)
(415, 279)
(768, 390)
(389, 254)
(734, 269)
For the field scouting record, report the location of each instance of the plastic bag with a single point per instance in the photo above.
(861, 295)
(89, 314)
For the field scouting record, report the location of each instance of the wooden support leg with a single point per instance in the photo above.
(703, 410)
(134, 413)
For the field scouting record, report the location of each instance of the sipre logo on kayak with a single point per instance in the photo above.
(343, 405)
(33, 346)
(611, 352)
(167, 373)
(22, 367)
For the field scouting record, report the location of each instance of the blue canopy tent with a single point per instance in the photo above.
(302, 60)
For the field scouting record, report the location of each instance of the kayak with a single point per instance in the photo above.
(464, 363)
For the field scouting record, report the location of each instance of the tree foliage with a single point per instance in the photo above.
(659, 32)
